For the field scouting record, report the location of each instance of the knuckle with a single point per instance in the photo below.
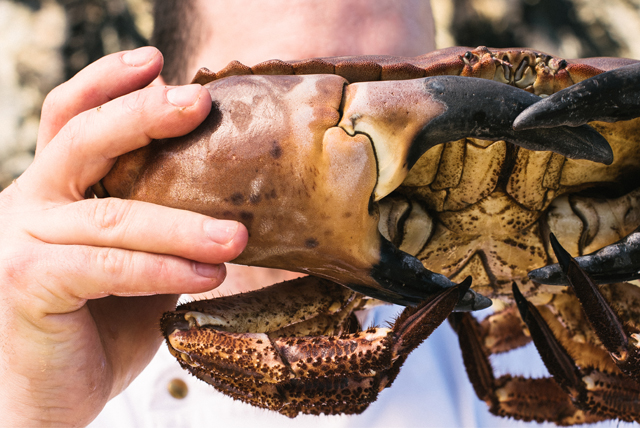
(110, 213)
(160, 267)
(134, 103)
(53, 100)
(72, 133)
(113, 261)
(16, 265)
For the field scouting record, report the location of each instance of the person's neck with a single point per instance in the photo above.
(252, 32)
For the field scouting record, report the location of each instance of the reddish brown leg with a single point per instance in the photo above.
(503, 331)
(610, 330)
(517, 397)
(302, 374)
(601, 394)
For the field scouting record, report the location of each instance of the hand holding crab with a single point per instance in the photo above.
(65, 260)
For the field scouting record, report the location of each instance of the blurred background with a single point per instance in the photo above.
(45, 42)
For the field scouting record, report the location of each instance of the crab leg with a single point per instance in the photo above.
(621, 344)
(609, 97)
(320, 374)
(517, 397)
(603, 394)
(614, 263)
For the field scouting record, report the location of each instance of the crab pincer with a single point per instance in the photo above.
(303, 161)
(608, 97)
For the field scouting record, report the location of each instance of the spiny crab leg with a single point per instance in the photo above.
(597, 392)
(289, 373)
(517, 397)
(621, 344)
(614, 263)
(609, 97)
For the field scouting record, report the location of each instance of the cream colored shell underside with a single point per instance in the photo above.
(497, 232)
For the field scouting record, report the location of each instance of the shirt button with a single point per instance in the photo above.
(178, 388)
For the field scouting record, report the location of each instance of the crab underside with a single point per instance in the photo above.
(365, 172)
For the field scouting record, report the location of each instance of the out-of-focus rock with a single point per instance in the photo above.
(42, 44)
(30, 66)
(567, 28)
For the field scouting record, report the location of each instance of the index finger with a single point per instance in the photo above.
(100, 82)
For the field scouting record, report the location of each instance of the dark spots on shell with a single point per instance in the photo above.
(270, 195)
(276, 150)
(240, 115)
(237, 198)
(311, 243)
(246, 218)
(347, 214)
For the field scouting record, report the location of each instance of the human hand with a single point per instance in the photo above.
(83, 282)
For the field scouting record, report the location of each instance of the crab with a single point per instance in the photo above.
(401, 179)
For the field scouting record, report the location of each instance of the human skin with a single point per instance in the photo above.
(84, 281)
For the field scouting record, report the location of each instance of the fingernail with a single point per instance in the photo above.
(140, 56)
(184, 96)
(206, 270)
(221, 231)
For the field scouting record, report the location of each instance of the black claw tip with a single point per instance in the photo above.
(564, 258)
(521, 302)
(486, 109)
(550, 275)
(464, 286)
(469, 299)
(608, 97)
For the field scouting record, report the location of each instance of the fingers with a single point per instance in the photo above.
(140, 226)
(106, 79)
(81, 273)
(86, 147)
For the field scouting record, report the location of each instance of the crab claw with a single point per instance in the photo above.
(614, 263)
(272, 154)
(405, 119)
(607, 97)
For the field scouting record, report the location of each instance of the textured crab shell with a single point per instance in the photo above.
(280, 154)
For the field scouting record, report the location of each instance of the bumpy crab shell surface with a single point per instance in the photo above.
(368, 183)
